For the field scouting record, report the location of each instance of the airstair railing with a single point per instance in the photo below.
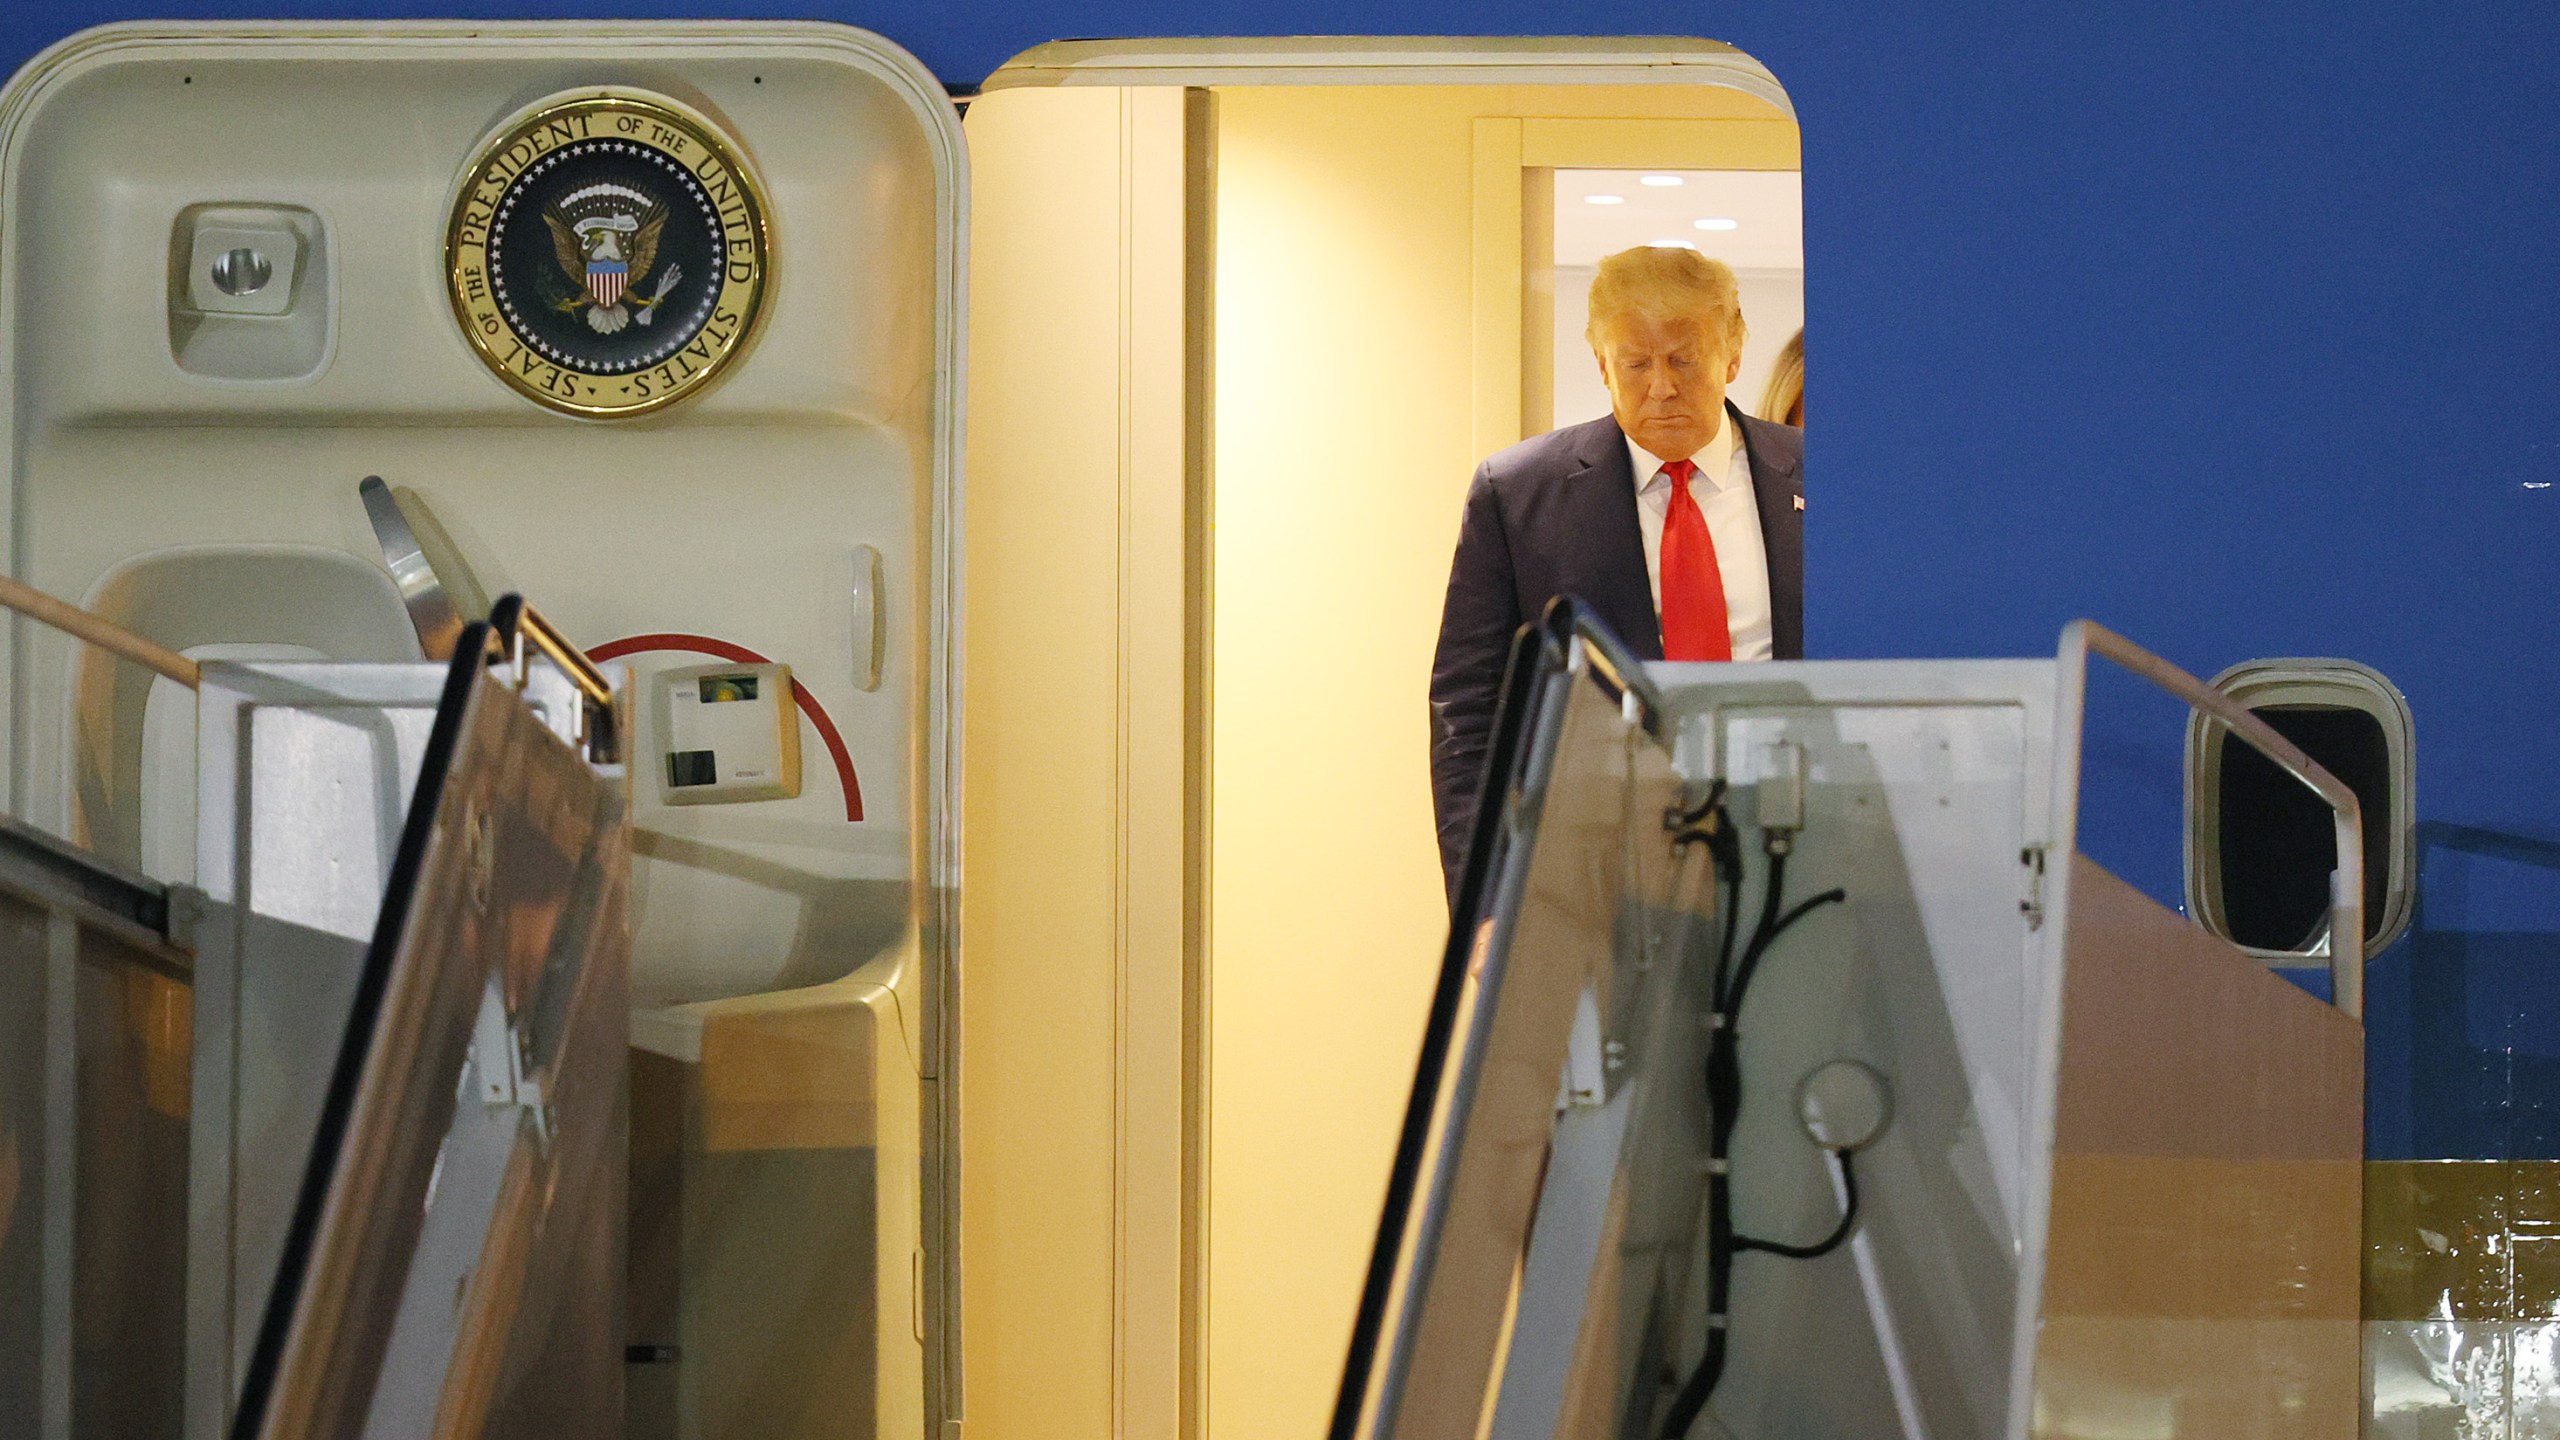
(2082, 638)
(97, 630)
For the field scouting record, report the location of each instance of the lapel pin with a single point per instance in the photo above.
(1799, 502)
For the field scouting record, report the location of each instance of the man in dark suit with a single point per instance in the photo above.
(1678, 518)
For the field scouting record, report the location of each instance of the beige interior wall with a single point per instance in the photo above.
(1354, 351)
(1080, 860)
(1353, 357)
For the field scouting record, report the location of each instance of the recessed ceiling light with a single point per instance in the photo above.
(1718, 222)
(1604, 199)
(1664, 180)
(1671, 245)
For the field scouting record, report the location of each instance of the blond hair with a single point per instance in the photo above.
(1665, 284)
(1786, 384)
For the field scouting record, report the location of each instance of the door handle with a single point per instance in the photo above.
(870, 623)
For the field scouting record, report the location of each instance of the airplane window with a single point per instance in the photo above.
(2261, 847)
(2277, 846)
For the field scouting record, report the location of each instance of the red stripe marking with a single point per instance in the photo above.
(741, 655)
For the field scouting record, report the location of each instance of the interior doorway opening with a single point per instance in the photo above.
(1245, 317)
(1752, 220)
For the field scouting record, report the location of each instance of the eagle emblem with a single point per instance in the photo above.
(606, 239)
(608, 253)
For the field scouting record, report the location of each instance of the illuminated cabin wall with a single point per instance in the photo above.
(1200, 887)
(1348, 422)
(1082, 687)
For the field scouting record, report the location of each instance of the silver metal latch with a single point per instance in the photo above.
(1782, 788)
(2032, 857)
(504, 1068)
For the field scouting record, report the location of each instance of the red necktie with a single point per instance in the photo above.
(1693, 618)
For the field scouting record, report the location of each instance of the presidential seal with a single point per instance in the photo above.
(608, 253)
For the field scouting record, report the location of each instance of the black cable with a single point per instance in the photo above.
(1692, 1398)
(1724, 1096)
(1760, 947)
(1728, 988)
(1773, 891)
(1725, 849)
(1829, 1243)
(1709, 824)
(1697, 822)
(1732, 886)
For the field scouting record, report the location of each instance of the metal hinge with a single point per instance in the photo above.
(2032, 857)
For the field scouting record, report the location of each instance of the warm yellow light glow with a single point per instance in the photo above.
(1351, 378)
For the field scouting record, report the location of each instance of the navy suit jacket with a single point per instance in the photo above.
(1557, 516)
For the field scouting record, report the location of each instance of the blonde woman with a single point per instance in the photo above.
(1785, 401)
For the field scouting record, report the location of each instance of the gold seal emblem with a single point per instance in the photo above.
(608, 253)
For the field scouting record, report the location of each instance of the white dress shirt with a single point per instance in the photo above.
(1722, 488)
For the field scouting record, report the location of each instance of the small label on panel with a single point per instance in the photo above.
(729, 733)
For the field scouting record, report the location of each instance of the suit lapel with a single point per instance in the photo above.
(1777, 484)
(1605, 493)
